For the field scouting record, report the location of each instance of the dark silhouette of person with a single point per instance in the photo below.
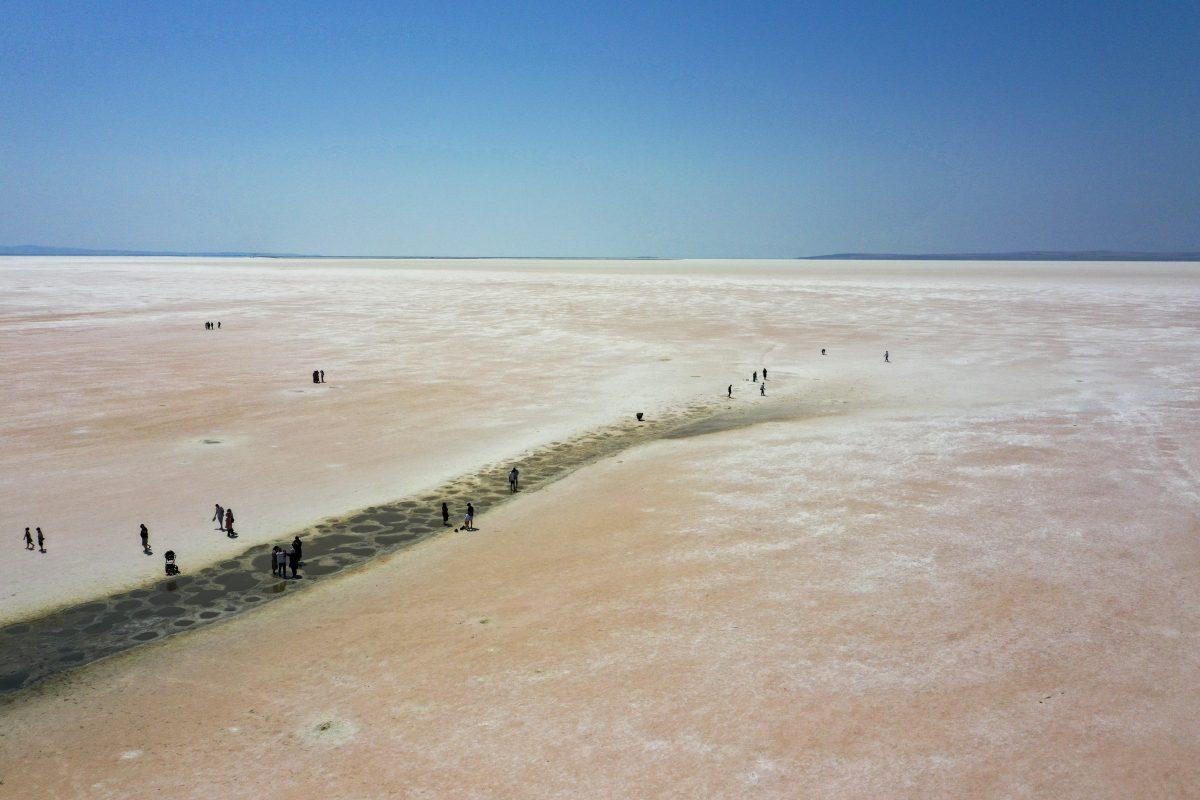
(640, 414)
(41, 541)
(275, 560)
(513, 475)
(322, 376)
(219, 515)
(730, 390)
(298, 547)
(754, 377)
(169, 565)
(293, 561)
(887, 357)
(764, 373)
(469, 521)
(145, 534)
(218, 325)
(28, 540)
(445, 515)
(229, 523)
(762, 389)
(280, 562)
(316, 376)
(822, 351)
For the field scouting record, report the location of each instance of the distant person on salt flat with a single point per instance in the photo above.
(218, 326)
(219, 516)
(316, 376)
(762, 389)
(445, 515)
(229, 523)
(280, 562)
(145, 534)
(298, 546)
(293, 561)
(275, 560)
(764, 373)
(822, 351)
(730, 390)
(28, 540)
(169, 565)
(887, 357)
(513, 476)
(322, 376)
(754, 377)
(41, 541)
(468, 519)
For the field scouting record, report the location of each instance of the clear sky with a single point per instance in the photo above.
(668, 129)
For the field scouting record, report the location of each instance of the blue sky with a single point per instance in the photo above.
(668, 129)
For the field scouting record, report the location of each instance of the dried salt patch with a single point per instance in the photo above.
(329, 730)
(130, 755)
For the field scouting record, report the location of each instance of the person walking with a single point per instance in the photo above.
(41, 541)
(513, 476)
(229, 523)
(887, 357)
(299, 548)
(219, 516)
(145, 534)
(445, 516)
(28, 540)
(762, 390)
(730, 395)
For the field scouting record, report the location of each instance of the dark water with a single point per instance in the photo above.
(33, 650)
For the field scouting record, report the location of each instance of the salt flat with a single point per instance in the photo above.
(970, 572)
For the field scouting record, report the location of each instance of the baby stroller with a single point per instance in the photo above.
(171, 567)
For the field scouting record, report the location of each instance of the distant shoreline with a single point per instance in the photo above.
(1023, 255)
(28, 250)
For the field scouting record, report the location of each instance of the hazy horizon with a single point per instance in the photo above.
(665, 130)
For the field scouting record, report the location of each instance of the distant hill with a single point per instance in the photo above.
(1020, 255)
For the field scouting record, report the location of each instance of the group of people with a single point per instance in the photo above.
(282, 560)
(318, 376)
(41, 540)
(224, 519)
(212, 326)
(468, 518)
(762, 387)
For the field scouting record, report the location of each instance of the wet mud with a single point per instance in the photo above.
(33, 650)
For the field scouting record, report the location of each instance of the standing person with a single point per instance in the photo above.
(218, 326)
(299, 548)
(887, 357)
(28, 540)
(316, 376)
(219, 516)
(322, 376)
(764, 373)
(445, 516)
(730, 390)
(41, 541)
(513, 475)
(229, 523)
(762, 390)
(754, 377)
(145, 534)
(275, 560)
(822, 351)
(280, 562)
(293, 561)
(468, 519)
